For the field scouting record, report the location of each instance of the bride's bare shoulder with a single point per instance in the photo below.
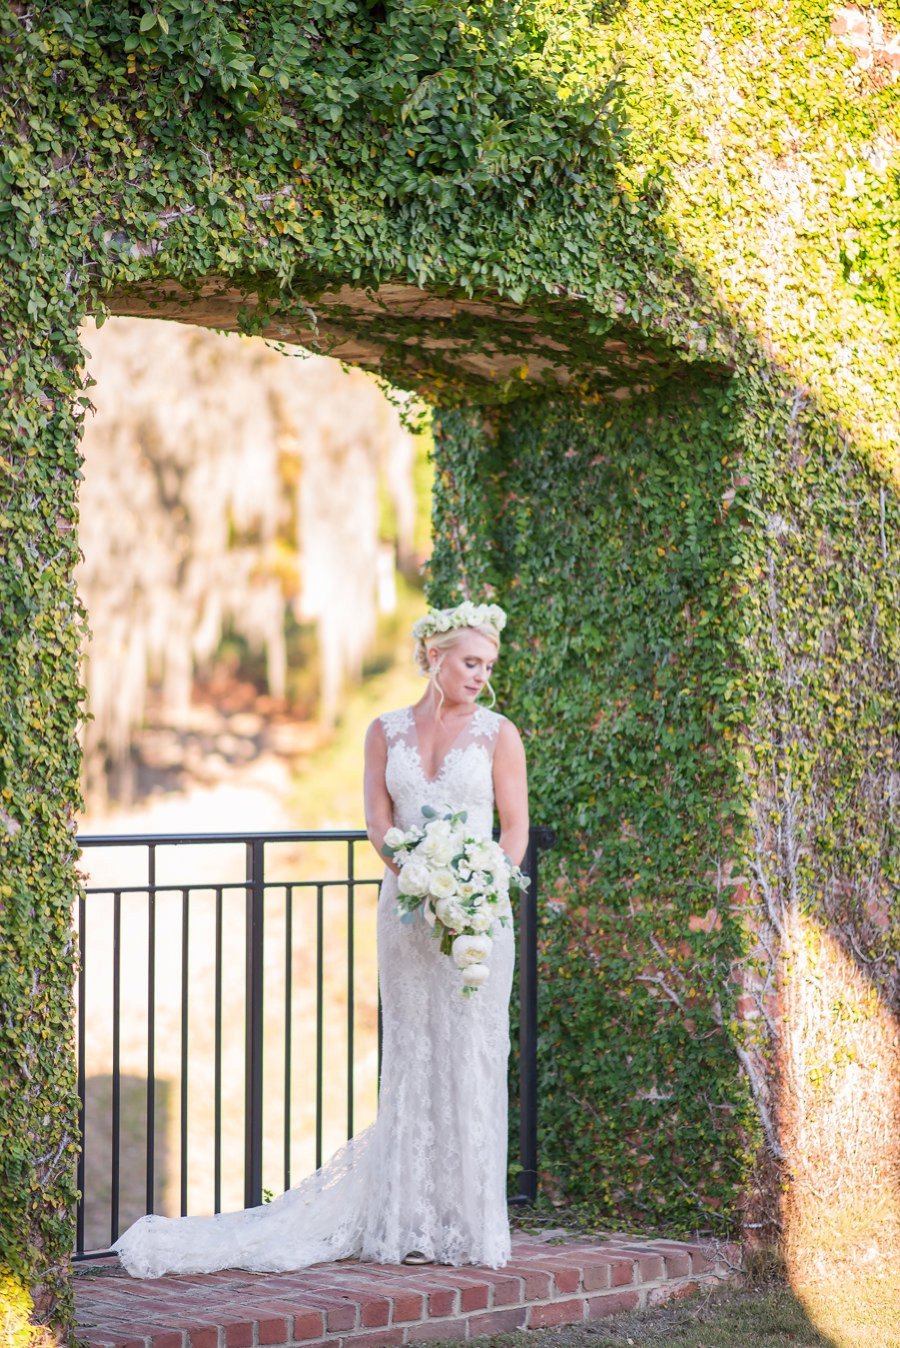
(508, 736)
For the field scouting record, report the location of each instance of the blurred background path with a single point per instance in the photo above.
(254, 529)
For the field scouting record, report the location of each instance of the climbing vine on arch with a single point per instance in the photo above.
(719, 184)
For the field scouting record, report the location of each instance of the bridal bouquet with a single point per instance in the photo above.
(461, 885)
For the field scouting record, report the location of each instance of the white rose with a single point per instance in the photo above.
(474, 975)
(451, 914)
(471, 950)
(414, 879)
(438, 828)
(442, 884)
(395, 837)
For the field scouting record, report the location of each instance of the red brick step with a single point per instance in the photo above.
(353, 1305)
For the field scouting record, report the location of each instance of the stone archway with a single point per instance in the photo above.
(450, 191)
(481, 348)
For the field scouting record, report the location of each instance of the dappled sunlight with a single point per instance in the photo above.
(16, 1307)
(839, 1115)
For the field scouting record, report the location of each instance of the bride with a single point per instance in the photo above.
(426, 1182)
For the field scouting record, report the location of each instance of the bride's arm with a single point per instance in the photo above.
(378, 804)
(511, 791)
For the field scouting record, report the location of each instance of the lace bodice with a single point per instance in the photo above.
(464, 779)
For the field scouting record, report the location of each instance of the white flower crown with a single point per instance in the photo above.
(466, 614)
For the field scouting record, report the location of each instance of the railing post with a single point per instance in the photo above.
(82, 1094)
(528, 1017)
(253, 1067)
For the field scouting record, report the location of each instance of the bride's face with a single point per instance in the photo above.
(466, 666)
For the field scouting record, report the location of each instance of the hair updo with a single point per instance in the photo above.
(442, 641)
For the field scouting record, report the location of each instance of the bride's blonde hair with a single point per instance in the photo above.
(442, 642)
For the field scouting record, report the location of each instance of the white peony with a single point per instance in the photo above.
(480, 920)
(395, 837)
(442, 883)
(440, 851)
(471, 950)
(481, 856)
(439, 843)
(474, 975)
(414, 879)
(452, 914)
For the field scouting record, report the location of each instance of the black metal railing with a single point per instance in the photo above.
(265, 865)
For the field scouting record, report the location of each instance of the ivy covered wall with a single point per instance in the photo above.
(703, 651)
(492, 200)
(605, 537)
(40, 636)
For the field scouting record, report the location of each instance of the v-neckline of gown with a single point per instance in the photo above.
(447, 752)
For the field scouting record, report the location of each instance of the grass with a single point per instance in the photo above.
(845, 1311)
(723, 1318)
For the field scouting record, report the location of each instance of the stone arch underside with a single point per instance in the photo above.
(453, 346)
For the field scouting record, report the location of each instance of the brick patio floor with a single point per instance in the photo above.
(354, 1305)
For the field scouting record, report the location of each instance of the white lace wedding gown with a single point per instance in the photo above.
(430, 1173)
